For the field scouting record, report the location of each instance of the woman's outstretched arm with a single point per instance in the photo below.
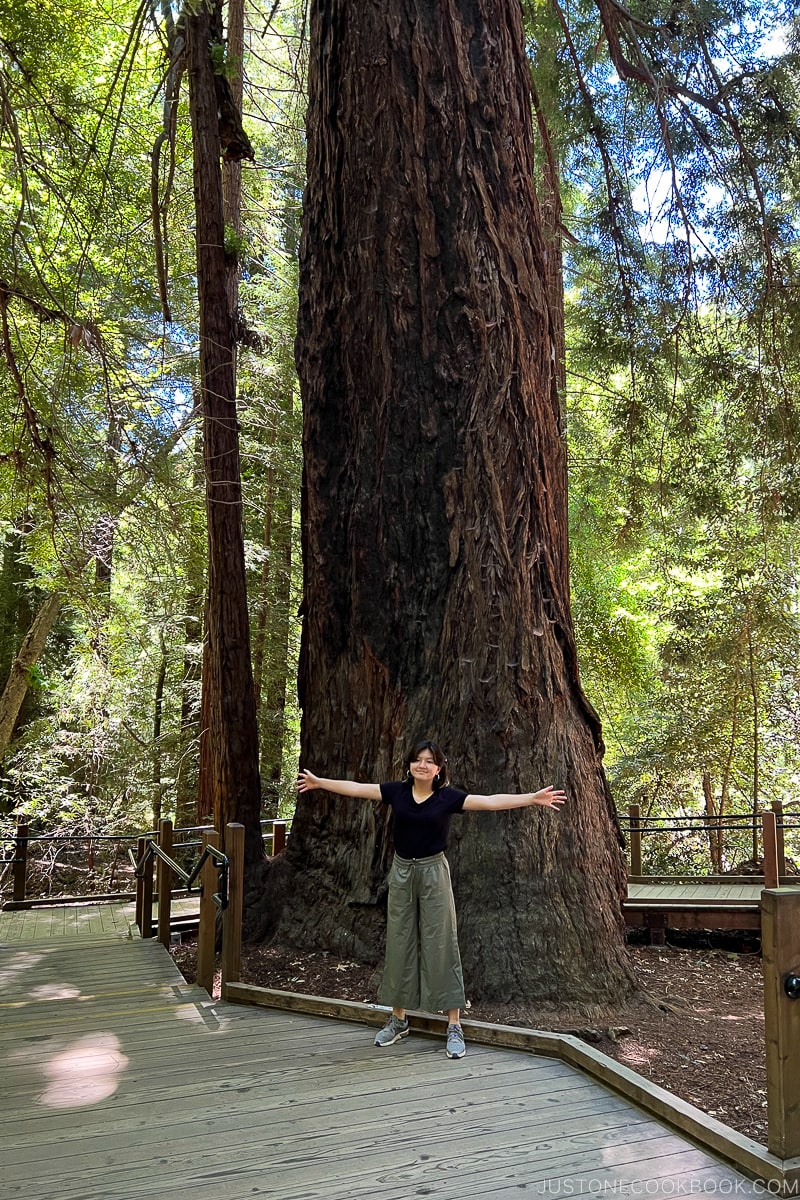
(547, 797)
(307, 782)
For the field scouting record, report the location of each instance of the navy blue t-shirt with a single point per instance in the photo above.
(420, 830)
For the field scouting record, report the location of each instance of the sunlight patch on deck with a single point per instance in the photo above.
(76, 1073)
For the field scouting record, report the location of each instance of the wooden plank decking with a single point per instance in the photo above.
(692, 905)
(699, 894)
(121, 1081)
(85, 921)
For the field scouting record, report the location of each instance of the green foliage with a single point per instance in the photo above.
(99, 483)
(694, 543)
(683, 332)
(683, 377)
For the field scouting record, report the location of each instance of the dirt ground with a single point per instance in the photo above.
(696, 1027)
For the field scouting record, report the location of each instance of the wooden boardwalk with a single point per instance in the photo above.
(120, 1082)
(84, 921)
(692, 904)
(699, 894)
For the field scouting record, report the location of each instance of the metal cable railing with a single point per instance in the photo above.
(23, 852)
(734, 821)
(769, 827)
(222, 862)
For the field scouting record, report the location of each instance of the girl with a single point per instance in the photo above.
(423, 964)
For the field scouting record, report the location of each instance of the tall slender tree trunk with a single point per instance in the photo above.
(725, 786)
(271, 651)
(263, 604)
(158, 722)
(105, 527)
(754, 696)
(187, 810)
(713, 826)
(435, 522)
(16, 688)
(232, 169)
(274, 684)
(229, 781)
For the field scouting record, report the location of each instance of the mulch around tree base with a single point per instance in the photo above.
(696, 1027)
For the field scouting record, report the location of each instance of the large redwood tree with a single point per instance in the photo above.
(435, 519)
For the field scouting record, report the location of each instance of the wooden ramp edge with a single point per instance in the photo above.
(743, 1152)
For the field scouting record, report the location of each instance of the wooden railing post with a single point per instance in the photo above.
(780, 952)
(164, 881)
(770, 844)
(20, 859)
(141, 844)
(777, 808)
(232, 916)
(278, 837)
(207, 931)
(146, 926)
(634, 812)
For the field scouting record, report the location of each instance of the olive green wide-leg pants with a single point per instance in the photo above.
(423, 963)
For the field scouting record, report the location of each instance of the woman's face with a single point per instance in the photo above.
(424, 768)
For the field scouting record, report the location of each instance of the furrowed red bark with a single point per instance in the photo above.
(435, 518)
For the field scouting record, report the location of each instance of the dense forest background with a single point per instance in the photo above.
(671, 132)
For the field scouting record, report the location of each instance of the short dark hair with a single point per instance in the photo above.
(439, 757)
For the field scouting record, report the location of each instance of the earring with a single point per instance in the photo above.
(437, 778)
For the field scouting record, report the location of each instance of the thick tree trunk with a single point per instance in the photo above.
(229, 782)
(435, 522)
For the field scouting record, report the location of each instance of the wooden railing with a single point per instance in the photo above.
(768, 827)
(17, 859)
(220, 888)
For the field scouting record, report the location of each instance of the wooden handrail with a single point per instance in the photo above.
(212, 866)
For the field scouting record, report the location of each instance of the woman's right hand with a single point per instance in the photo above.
(307, 782)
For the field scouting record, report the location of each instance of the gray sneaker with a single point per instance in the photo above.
(455, 1042)
(393, 1030)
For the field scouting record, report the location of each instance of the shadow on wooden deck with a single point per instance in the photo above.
(122, 1081)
